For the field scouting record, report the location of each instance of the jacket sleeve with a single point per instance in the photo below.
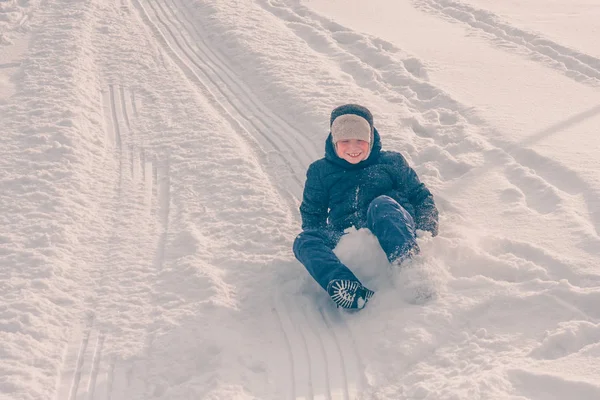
(314, 207)
(425, 211)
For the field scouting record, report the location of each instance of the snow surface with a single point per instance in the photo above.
(152, 160)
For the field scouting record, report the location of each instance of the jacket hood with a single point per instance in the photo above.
(331, 155)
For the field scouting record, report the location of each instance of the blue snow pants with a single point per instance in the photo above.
(393, 226)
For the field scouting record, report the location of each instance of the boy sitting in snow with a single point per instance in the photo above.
(357, 184)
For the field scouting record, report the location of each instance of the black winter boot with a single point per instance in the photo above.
(348, 293)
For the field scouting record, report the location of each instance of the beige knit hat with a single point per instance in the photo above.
(351, 121)
(350, 126)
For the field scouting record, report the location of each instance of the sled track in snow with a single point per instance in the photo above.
(350, 362)
(579, 66)
(82, 359)
(89, 371)
(290, 354)
(136, 168)
(324, 365)
(219, 66)
(183, 42)
(302, 368)
(147, 178)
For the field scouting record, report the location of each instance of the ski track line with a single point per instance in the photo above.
(162, 179)
(153, 185)
(320, 365)
(290, 353)
(125, 382)
(139, 162)
(118, 139)
(222, 101)
(95, 367)
(113, 139)
(110, 378)
(134, 105)
(335, 370)
(110, 133)
(300, 353)
(130, 145)
(115, 120)
(77, 372)
(124, 107)
(147, 179)
(216, 63)
(100, 372)
(439, 102)
(353, 367)
(579, 66)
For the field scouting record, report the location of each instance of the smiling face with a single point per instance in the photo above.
(352, 150)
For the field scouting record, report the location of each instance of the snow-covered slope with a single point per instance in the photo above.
(152, 163)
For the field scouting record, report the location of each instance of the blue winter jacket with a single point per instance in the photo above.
(337, 193)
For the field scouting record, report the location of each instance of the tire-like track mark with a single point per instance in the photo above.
(110, 133)
(219, 67)
(126, 212)
(110, 378)
(299, 352)
(151, 180)
(124, 107)
(95, 367)
(579, 66)
(87, 343)
(335, 373)
(147, 179)
(162, 185)
(134, 104)
(314, 345)
(113, 145)
(350, 360)
(116, 127)
(80, 361)
(137, 163)
(195, 70)
(324, 360)
(223, 86)
(290, 354)
(115, 119)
